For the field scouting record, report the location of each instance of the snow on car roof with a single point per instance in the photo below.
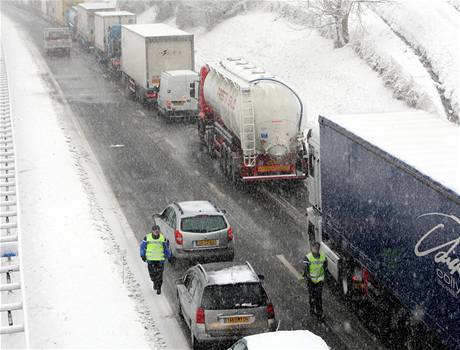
(113, 13)
(420, 139)
(300, 339)
(181, 72)
(232, 275)
(155, 30)
(96, 5)
(194, 207)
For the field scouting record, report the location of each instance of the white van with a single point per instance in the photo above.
(178, 95)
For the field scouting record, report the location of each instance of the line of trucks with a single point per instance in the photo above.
(384, 189)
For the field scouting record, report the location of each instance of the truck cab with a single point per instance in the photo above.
(314, 210)
(178, 95)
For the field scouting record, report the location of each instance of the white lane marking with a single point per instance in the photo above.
(291, 268)
(141, 113)
(285, 204)
(116, 146)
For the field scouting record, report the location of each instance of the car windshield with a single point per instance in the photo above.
(203, 223)
(233, 296)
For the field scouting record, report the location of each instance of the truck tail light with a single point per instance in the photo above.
(270, 311)
(230, 234)
(200, 318)
(179, 238)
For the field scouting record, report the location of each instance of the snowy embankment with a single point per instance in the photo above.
(78, 292)
(329, 81)
(432, 29)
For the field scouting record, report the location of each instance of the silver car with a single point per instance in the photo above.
(224, 302)
(196, 230)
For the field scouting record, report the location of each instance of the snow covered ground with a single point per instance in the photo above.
(433, 29)
(328, 81)
(78, 291)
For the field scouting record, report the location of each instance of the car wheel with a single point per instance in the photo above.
(179, 307)
(196, 345)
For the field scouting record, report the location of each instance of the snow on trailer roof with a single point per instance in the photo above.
(240, 70)
(113, 13)
(155, 30)
(420, 139)
(96, 5)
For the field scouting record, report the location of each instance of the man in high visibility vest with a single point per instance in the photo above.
(155, 250)
(314, 272)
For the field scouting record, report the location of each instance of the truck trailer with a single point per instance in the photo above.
(384, 191)
(250, 121)
(85, 20)
(147, 50)
(103, 22)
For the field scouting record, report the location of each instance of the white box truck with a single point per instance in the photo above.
(147, 50)
(178, 95)
(85, 20)
(103, 22)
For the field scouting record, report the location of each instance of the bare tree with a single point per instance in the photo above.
(336, 14)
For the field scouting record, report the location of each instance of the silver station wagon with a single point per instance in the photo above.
(224, 302)
(196, 230)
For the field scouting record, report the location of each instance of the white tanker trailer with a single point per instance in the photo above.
(251, 121)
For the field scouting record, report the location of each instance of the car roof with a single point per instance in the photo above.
(190, 208)
(300, 339)
(229, 273)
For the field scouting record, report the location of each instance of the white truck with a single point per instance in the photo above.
(57, 40)
(85, 20)
(147, 51)
(103, 22)
(178, 95)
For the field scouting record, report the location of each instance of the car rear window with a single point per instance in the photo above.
(233, 296)
(203, 223)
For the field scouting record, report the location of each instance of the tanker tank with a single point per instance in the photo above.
(276, 107)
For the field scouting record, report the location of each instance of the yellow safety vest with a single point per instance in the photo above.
(155, 248)
(316, 267)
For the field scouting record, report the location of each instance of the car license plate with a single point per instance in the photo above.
(206, 243)
(236, 319)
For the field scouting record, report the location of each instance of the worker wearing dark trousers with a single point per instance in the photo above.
(314, 272)
(155, 250)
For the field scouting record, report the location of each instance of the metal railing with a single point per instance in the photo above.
(14, 331)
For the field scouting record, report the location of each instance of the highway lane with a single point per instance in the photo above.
(150, 163)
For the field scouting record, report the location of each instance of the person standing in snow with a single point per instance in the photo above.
(155, 250)
(314, 272)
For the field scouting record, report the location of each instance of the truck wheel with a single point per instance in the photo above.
(201, 131)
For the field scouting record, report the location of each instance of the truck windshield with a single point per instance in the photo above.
(233, 296)
(203, 223)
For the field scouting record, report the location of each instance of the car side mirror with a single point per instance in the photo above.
(223, 211)
(261, 277)
(179, 280)
(155, 215)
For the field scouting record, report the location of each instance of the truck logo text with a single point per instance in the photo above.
(443, 256)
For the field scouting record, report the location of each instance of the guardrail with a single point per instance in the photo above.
(14, 330)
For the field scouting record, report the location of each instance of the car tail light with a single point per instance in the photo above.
(230, 234)
(179, 237)
(200, 318)
(270, 311)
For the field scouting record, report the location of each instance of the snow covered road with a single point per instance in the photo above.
(75, 238)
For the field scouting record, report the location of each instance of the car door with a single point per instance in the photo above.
(162, 221)
(190, 283)
(170, 226)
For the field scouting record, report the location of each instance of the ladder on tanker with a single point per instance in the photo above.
(248, 132)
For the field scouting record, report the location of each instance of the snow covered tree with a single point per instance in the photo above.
(336, 14)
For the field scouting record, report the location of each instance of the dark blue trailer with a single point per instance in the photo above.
(390, 208)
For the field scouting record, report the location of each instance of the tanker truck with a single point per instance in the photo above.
(250, 121)
(384, 193)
